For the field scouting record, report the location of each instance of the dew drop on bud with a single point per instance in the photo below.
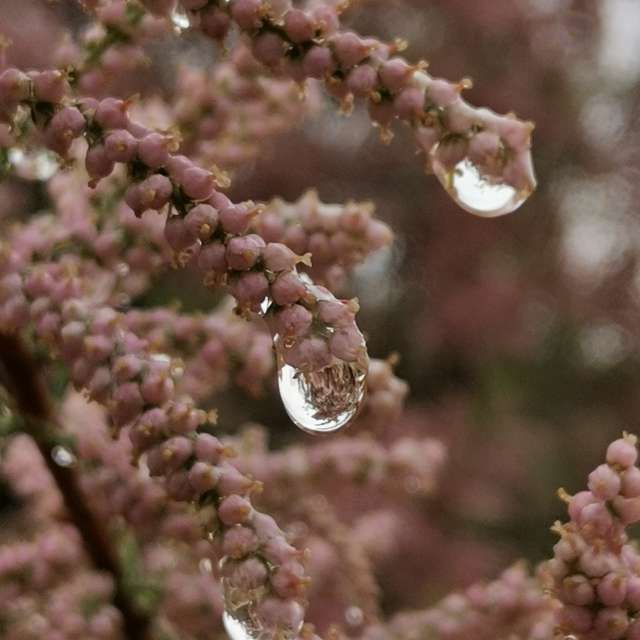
(481, 195)
(321, 401)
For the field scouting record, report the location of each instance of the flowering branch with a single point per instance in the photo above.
(27, 388)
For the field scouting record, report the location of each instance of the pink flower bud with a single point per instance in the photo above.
(293, 320)
(622, 452)
(395, 74)
(197, 183)
(604, 482)
(250, 289)
(111, 113)
(234, 510)
(203, 477)
(318, 62)
(201, 221)
(154, 192)
(152, 150)
(349, 49)
(120, 146)
(243, 251)
(298, 25)
(287, 288)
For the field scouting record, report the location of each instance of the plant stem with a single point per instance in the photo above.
(24, 382)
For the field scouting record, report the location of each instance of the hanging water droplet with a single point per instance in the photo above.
(62, 456)
(321, 401)
(180, 19)
(33, 165)
(474, 192)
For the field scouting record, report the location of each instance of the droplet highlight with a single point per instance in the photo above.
(62, 456)
(481, 195)
(180, 19)
(237, 629)
(321, 401)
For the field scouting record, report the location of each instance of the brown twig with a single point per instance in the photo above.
(24, 382)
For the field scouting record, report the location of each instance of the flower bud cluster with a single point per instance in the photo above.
(337, 236)
(207, 229)
(310, 43)
(169, 433)
(513, 606)
(226, 116)
(44, 585)
(594, 572)
(216, 348)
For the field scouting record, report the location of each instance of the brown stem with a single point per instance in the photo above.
(26, 385)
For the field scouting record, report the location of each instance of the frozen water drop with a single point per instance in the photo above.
(322, 401)
(476, 193)
(62, 456)
(180, 19)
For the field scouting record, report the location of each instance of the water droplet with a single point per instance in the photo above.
(476, 193)
(33, 165)
(354, 616)
(62, 456)
(238, 629)
(321, 401)
(180, 19)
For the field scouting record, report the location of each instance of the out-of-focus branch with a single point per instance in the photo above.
(21, 376)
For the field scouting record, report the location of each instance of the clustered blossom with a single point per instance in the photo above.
(30, 572)
(513, 606)
(310, 43)
(594, 572)
(134, 186)
(209, 230)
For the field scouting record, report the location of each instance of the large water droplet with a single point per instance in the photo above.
(321, 401)
(476, 193)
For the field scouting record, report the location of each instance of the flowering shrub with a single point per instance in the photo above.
(151, 502)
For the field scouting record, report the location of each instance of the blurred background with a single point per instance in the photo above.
(518, 336)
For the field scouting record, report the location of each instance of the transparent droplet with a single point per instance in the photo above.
(321, 401)
(476, 193)
(354, 616)
(180, 19)
(238, 629)
(33, 165)
(62, 456)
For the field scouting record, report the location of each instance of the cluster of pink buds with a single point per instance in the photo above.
(226, 116)
(457, 138)
(513, 606)
(594, 572)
